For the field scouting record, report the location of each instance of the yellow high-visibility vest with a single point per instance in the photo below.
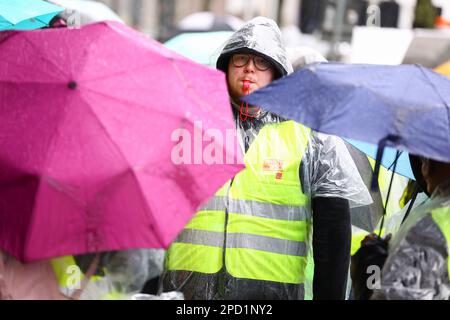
(441, 217)
(257, 225)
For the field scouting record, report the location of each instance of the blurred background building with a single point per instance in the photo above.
(336, 28)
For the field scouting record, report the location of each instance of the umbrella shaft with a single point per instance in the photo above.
(388, 193)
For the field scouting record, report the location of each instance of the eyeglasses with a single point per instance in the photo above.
(240, 60)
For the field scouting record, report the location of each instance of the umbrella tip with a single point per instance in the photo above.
(72, 85)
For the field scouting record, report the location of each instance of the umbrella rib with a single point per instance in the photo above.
(394, 163)
(141, 193)
(119, 73)
(125, 101)
(385, 101)
(45, 58)
(191, 92)
(106, 131)
(351, 96)
(33, 216)
(44, 71)
(372, 93)
(30, 83)
(322, 84)
(85, 59)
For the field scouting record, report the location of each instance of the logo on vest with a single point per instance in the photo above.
(274, 165)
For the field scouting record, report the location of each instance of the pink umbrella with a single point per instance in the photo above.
(108, 141)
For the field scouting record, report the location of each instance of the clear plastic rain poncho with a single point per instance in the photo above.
(417, 265)
(113, 275)
(119, 274)
(241, 243)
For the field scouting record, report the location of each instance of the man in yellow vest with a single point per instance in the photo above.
(254, 239)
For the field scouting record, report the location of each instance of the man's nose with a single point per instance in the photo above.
(250, 66)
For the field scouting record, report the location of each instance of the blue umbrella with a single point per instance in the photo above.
(26, 14)
(389, 157)
(406, 107)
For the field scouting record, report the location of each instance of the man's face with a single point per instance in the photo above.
(254, 70)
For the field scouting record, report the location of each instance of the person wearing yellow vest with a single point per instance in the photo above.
(280, 229)
(417, 266)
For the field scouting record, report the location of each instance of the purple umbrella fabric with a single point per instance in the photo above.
(108, 141)
(408, 105)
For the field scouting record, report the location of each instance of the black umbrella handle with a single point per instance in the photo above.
(376, 171)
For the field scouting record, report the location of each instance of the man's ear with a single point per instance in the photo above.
(426, 168)
(433, 167)
(429, 168)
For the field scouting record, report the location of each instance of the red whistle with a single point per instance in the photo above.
(246, 89)
(246, 86)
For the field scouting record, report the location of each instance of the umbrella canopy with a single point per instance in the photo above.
(26, 14)
(389, 159)
(108, 140)
(208, 21)
(89, 11)
(407, 106)
(202, 47)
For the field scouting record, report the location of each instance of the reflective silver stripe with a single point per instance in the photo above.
(215, 203)
(250, 241)
(268, 210)
(242, 240)
(202, 237)
(258, 209)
